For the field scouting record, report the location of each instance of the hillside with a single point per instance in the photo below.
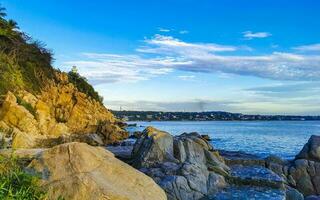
(41, 106)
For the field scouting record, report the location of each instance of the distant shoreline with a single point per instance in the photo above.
(205, 116)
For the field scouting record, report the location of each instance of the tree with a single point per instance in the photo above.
(2, 12)
(12, 25)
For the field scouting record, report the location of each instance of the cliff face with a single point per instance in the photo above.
(41, 106)
(59, 110)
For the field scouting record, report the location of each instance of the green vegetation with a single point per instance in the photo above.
(83, 86)
(27, 105)
(15, 184)
(26, 63)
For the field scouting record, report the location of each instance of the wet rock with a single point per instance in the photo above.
(256, 176)
(312, 197)
(249, 192)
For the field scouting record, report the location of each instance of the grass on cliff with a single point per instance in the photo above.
(83, 86)
(15, 184)
(26, 105)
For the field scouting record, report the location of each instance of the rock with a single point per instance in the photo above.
(311, 150)
(136, 135)
(25, 154)
(256, 176)
(185, 166)
(304, 172)
(79, 171)
(274, 159)
(60, 110)
(249, 192)
(241, 158)
(293, 194)
(111, 133)
(312, 197)
(206, 137)
(153, 147)
(121, 152)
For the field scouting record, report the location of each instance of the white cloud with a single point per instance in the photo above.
(168, 44)
(160, 55)
(311, 47)
(186, 77)
(183, 32)
(163, 29)
(106, 68)
(251, 35)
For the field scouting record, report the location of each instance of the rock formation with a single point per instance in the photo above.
(186, 166)
(77, 171)
(59, 111)
(301, 175)
(304, 173)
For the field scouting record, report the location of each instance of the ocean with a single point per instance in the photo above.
(281, 138)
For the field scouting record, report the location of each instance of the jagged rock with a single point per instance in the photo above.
(311, 150)
(59, 110)
(78, 171)
(111, 133)
(185, 166)
(154, 146)
(304, 172)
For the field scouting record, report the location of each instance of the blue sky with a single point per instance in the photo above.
(240, 56)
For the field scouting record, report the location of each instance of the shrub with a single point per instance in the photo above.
(15, 184)
(83, 86)
(27, 105)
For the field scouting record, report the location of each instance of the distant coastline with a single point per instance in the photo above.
(205, 116)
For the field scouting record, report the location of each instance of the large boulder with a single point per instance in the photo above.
(303, 173)
(77, 171)
(186, 166)
(311, 150)
(154, 146)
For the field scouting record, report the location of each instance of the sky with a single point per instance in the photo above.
(255, 57)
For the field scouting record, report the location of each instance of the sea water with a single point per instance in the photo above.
(282, 138)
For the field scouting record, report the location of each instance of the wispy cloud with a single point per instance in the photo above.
(186, 77)
(168, 44)
(164, 30)
(249, 35)
(183, 32)
(108, 68)
(283, 90)
(311, 47)
(161, 54)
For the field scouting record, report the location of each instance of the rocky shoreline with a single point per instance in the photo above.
(188, 167)
(184, 167)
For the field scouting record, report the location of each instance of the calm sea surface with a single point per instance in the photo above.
(281, 138)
